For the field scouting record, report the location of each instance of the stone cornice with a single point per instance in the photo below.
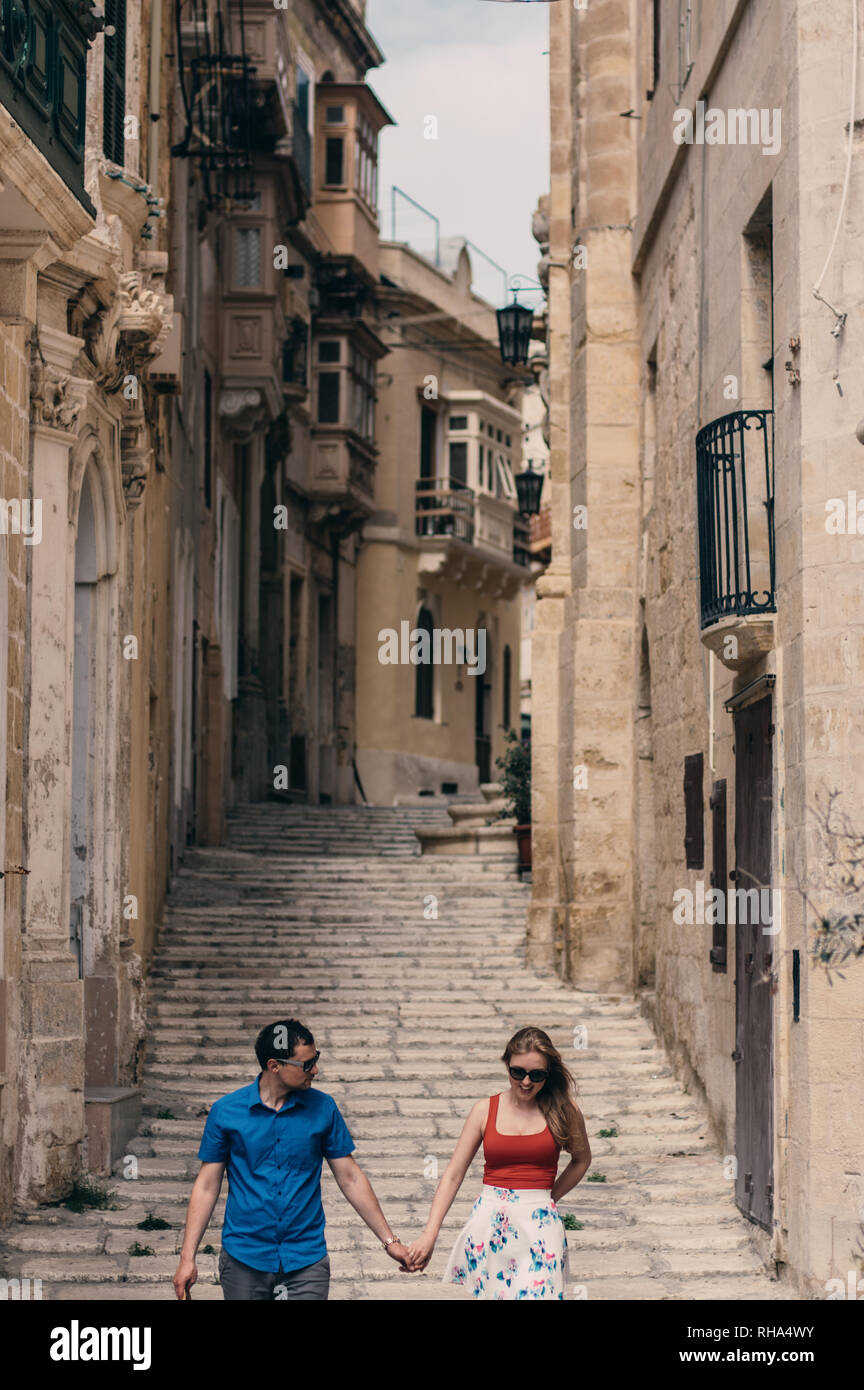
(31, 174)
(341, 16)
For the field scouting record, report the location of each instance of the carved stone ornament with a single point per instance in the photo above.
(135, 456)
(123, 338)
(56, 399)
(242, 412)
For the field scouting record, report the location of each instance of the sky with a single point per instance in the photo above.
(481, 69)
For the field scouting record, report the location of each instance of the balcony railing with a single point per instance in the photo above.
(445, 507)
(735, 495)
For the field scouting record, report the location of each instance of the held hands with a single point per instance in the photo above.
(420, 1253)
(411, 1259)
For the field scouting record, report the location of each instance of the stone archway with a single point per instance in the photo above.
(95, 892)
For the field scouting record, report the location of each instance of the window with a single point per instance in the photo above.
(504, 484)
(334, 115)
(459, 463)
(114, 70)
(334, 166)
(498, 436)
(329, 351)
(685, 42)
(362, 394)
(208, 437)
(655, 45)
(294, 353)
(424, 688)
(428, 427)
(507, 680)
(304, 87)
(247, 257)
(507, 440)
(694, 833)
(366, 162)
(491, 431)
(328, 398)
(458, 422)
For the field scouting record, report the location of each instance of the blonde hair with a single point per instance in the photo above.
(556, 1098)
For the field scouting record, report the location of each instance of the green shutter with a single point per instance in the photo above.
(114, 102)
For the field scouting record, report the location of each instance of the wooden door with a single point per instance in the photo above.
(754, 953)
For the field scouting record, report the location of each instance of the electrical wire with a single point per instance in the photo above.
(818, 286)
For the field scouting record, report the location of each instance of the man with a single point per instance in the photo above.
(272, 1136)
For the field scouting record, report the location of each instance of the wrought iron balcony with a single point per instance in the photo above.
(445, 507)
(43, 65)
(735, 496)
(216, 88)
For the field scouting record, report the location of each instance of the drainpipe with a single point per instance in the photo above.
(154, 95)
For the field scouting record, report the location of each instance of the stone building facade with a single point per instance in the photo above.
(275, 259)
(701, 643)
(193, 296)
(445, 550)
(85, 588)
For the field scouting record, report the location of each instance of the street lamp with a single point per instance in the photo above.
(515, 324)
(529, 485)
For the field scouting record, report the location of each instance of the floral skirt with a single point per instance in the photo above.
(513, 1245)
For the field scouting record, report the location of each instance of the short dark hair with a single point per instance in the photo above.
(291, 1032)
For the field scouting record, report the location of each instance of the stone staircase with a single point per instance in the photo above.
(318, 913)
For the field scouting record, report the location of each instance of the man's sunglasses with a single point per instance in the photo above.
(519, 1074)
(292, 1062)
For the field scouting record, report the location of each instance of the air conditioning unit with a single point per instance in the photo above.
(166, 370)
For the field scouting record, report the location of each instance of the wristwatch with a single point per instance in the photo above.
(394, 1240)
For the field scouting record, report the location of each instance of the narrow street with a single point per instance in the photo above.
(317, 913)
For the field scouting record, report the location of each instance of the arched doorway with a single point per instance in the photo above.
(83, 751)
(94, 884)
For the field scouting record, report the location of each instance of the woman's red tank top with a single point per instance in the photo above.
(518, 1160)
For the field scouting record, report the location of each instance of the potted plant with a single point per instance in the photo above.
(515, 768)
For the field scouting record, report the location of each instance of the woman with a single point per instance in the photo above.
(513, 1244)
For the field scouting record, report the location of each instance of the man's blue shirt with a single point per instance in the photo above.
(274, 1218)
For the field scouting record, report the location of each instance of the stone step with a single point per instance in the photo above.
(317, 913)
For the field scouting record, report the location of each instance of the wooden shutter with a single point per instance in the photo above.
(114, 88)
(719, 875)
(694, 806)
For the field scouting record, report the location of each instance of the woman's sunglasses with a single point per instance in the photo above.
(292, 1062)
(519, 1074)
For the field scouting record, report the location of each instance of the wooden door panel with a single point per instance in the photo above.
(754, 1135)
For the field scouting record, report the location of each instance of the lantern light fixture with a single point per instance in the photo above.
(529, 485)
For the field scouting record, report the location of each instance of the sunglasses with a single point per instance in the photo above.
(519, 1074)
(292, 1062)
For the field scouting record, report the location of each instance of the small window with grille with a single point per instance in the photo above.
(247, 258)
